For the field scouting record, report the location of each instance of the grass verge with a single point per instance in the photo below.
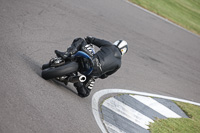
(181, 125)
(185, 13)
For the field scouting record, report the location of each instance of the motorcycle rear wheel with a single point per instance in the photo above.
(53, 72)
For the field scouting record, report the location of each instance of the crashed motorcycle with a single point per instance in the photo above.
(72, 69)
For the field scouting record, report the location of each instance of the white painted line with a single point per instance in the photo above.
(99, 94)
(111, 128)
(128, 112)
(154, 14)
(150, 102)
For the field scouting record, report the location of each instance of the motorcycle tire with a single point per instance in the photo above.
(54, 72)
(45, 66)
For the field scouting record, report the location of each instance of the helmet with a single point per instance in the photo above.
(122, 45)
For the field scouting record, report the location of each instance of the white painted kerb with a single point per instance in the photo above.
(99, 94)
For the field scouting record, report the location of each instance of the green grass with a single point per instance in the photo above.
(185, 13)
(179, 125)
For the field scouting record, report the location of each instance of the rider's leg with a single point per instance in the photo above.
(82, 90)
(75, 46)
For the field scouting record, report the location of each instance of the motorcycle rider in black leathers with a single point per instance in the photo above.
(106, 61)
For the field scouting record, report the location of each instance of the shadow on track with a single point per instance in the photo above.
(62, 85)
(36, 67)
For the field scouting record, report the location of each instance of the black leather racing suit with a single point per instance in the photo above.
(106, 61)
(108, 56)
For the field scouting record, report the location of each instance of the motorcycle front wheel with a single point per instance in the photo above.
(53, 72)
(45, 66)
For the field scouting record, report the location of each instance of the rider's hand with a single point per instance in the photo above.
(89, 39)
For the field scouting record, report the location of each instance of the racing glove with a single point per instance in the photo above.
(89, 39)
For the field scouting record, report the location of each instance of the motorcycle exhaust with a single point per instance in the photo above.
(76, 79)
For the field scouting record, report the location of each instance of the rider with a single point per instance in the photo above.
(106, 61)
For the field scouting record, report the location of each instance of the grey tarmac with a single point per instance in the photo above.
(162, 59)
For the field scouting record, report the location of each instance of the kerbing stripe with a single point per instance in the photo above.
(128, 112)
(111, 128)
(156, 106)
(140, 107)
(172, 106)
(121, 122)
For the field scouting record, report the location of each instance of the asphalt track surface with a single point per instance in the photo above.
(162, 59)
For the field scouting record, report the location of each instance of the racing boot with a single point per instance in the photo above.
(82, 90)
(63, 55)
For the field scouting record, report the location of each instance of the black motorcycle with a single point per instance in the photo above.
(71, 69)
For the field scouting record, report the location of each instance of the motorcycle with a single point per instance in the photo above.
(73, 69)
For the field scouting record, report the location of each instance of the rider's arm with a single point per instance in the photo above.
(76, 45)
(98, 42)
